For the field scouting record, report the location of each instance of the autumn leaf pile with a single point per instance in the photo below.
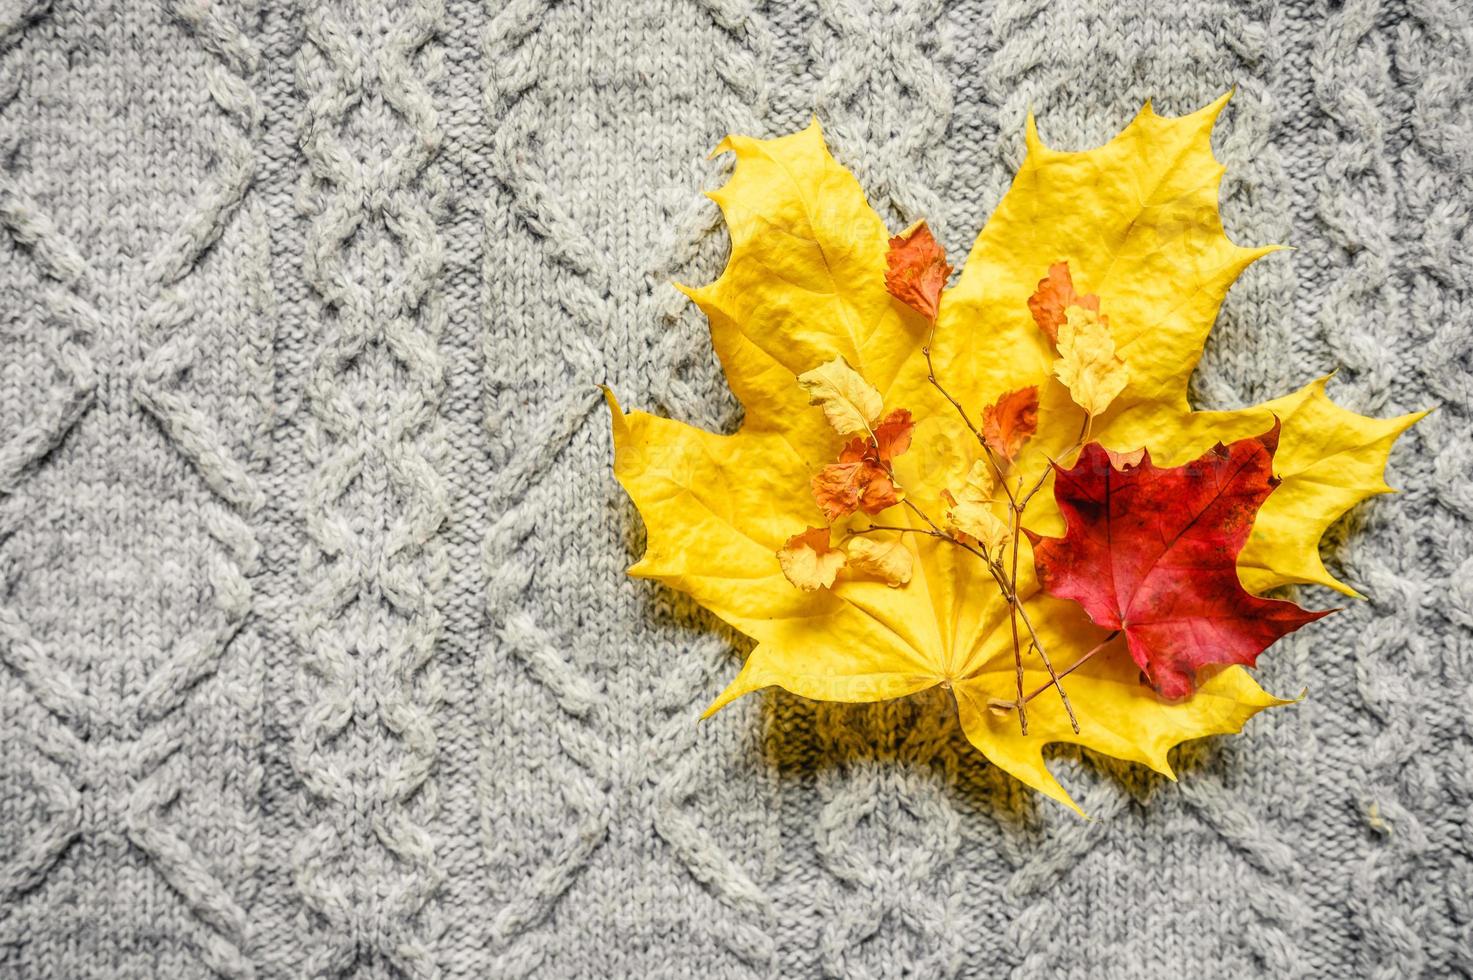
(1000, 487)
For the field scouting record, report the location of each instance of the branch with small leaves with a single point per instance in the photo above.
(863, 478)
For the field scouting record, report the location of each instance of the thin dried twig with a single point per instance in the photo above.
(1006, 579)
(1012, 503)
(1002, 705)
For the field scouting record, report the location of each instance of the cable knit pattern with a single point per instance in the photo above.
(317, 658)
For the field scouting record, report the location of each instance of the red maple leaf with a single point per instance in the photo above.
(1152, 551)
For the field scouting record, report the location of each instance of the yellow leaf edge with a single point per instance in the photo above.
(739, 145)
(1393, 428)
(1258, 572)
(1235, 686)
(818, 687)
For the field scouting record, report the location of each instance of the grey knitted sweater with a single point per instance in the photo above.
(317, 658)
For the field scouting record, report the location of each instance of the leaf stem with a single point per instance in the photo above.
(922, 514)
(1011, 596)
(1008, 589)
(935, 528)
(1043, 477)
(1083, 659)
(935, 383)
(1018, 508)
(1007, 581)
(935, 532)
(1013, 605)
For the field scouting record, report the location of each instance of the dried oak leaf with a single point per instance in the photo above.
(1152, 551)
(1136, 219)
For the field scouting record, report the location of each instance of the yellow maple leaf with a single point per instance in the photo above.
(1136, 221)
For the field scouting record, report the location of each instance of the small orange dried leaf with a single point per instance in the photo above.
(1055, 294)
(808, 561)
(860, 480)
(916, 269)
(892, 434)
(853, 484)
(1011, 421)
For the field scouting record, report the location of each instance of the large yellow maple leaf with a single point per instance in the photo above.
(1137, 222)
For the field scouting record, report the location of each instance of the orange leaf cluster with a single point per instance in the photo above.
(861, 479)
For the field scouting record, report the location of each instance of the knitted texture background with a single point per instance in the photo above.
(317, 658)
